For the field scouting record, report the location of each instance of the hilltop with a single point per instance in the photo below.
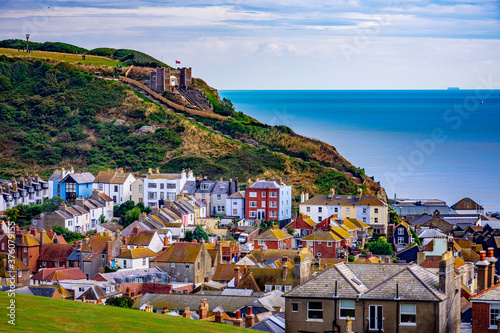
(56, 113)
(67, 315)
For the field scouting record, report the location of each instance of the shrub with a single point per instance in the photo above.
(380, 248)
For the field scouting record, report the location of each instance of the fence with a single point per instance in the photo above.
(201, 113)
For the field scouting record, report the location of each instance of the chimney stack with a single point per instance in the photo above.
(203, 310)
(86, 241)
(302, 197)
(123, 249)
(136, 230)
(482, 272)
(307, 196)
(218, 317)
(155, 210)
(62, 207)
(249, 318)
(285, 273)
(236, 276)
(491, 268)
(447, 274)
(359, 193)
(187, 313)
(43, 235)
(80, 202)
(109, 251)
(238, 321)
(331, 193)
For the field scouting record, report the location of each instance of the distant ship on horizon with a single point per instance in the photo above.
(453, 88)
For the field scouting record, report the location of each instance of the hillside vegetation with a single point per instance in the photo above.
(56, 114)
(43, 314)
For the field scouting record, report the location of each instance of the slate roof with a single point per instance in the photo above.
(55, 252)
(274, 323)
(221, 187)
(422, 219)
(237, 195)
(266, 184)
(189, 187)
(127, 272)
(430, 233)
(490, 294)
(140, 252)
(404, 210)
(467, 204)
(377, 281)
(56, 176)
(94, 293)
(44, 291)
(210, 183)
(180, 252)
(111, 226)
(344, 200)
(80, 178)
(274, 234)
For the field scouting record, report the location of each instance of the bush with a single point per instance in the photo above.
(350, 258)
(380, 248)
(121, 302)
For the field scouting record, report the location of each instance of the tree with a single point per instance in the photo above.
(102, 219)
(68, 236)
(188, 236)
(12, 214)
(199, 233)
(131, 216)
(380, 248)
(121, 301)
(52, 204)
(291, 230)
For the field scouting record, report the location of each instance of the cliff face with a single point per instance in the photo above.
(56, 115)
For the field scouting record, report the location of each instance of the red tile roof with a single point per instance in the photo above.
(59, 273)
(55, 252)
(180, 252)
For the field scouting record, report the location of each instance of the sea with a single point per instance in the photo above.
(419, 144)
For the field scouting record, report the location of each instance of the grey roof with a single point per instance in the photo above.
(237, 195)
(491, 295)
(274, 324)
(266, 184)
(376, 281)
(80, 178)
(56, 175)
(63, 214)
(37, 291)
(210, 183)
(237, 292)
(422, 219)
(178, 302)
(461, 219)
(111, 226)
(142, 271)
(492, 224)
(128, 230)
(75, 255)
(94, 293)
(221, 187)
(405, 210)
(189, 187)
(430, 233)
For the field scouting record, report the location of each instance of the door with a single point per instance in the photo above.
(376, 319)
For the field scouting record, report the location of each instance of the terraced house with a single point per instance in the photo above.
(377, 298)
(366, 208)
(27, 191)
(159, 187)
(116, 184)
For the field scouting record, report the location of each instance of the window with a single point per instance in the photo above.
(70, 187)
(140, 188)
(318, 254)
(151, 185)
(25, 261)
(295, 306)
(336, 209)
(162, 186)
(261, 242)
(308, 209)
(320, 218)
(364, 210)
(348, 210)
(375, 317)
(375, 220)
(494, 312)
(19, 274)
(174, 279)
(253, 203)
(268, 288)
(401, 231)
(56, 264)
(186, 279)
(25, 250)
(198, 265)
(101, 187)
(171, 186)
(152, 195)
(263, 204)
(44, 263)
(277, 287)
(114, 198)
(273, 214)
(347, 308)
(219, 197)
(314, 310)
(187, 265)
(273, 204)
(364, 219)
(273, 194)
(81, 289)
(329, 244)
(401, 240)
(320, 209)
(144, 262)
(252, 194)
(408, 314)
(251, 214)
(3, 246)
(172, 265)
(375, 210)
(116, 188)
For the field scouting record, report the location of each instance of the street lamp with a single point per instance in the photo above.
(27, 42)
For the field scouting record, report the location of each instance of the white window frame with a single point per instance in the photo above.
(493, 322)
(308, 209)
(375, 220)
(296, 307)
(252, 213)
(329, 244)
(320, 209)
(261, 242)
(401, 231)
(348, 210)
(375, 210)
(376, 321)
(252, 194)
(278, 287)
(263, 204)
(273, 194)
(252, 204)
(347, 304)
(406, 312)
(288, 288)
(315, 310)
(269, 287)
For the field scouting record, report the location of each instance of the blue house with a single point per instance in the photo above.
(55, 180)
(401, 234)
(76, 185)
(409, 254)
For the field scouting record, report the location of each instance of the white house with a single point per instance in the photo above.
(145, 238)
(117, 185)
(235, 205)
(135, 258)
(138, 191)
(163, 186)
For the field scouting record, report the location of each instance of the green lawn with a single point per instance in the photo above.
(41, 314)
(97, 61)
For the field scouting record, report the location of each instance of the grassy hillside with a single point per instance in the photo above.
(130, 57)
(54, 114)
(47, 46)
(41, 314)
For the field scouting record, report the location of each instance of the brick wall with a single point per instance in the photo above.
(481, 318)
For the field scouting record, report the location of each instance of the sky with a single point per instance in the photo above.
(292, 44)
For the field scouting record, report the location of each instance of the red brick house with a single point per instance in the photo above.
(54, 255)
(268, 200)
(273, 239)
(56, 274)
(28, 246)
(323, 244)
(19, 271)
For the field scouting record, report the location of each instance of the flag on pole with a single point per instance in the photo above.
(177, 62)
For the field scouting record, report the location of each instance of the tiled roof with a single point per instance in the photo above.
(111, 226)
(225, 272)
(274, 234)
(56, 176)
(55, 252)
(430, 233)
(144, 238)
(490, 294)
(344, 200)
(377, 281)
(467, 204)
(259, 254)
(464, 243)
(430, 264)
(105, 197)
(140, 252)
(5, 268)
(322, 236)
(113, 177)
(180, 252)
(237, 195)
(58, 273)
(93, 293)
(470, 255)
(29, 240)
(266, 276)
(302, 218)
(355, 223)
